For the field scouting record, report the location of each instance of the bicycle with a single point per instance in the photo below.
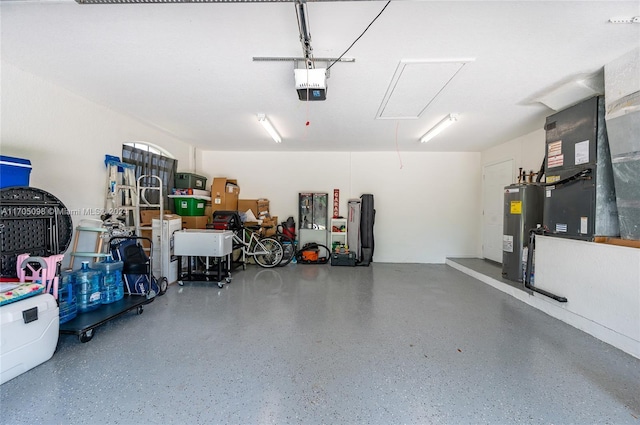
(266, 251)
(288, 246)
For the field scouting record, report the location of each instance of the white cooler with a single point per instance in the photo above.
(206, 243)
(28, 334)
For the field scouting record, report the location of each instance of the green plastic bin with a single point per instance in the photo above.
(189, 206)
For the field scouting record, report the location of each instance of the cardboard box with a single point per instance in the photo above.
(269, 226)
(259, 207)
(617, 241)
(224, 194)
(150, 215)
(146, 233)
(195, 222)
(169, 216)
(147, 215)
(245, 205)
(263, 208)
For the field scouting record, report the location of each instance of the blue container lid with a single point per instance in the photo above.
(14, 171)
(16, 162)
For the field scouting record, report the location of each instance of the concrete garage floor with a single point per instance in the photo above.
(307, 344)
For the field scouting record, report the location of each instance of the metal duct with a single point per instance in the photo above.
(622, 85)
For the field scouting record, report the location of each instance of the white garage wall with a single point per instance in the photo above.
(526, 151)
(601, 283)
(66, 138)
(425, 211)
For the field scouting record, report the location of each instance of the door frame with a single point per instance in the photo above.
(485, 230)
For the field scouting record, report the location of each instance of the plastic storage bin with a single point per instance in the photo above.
(14, 171)
(343, 259)
(190, 205)
(190, 181)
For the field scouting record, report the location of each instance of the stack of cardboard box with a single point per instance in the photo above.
(224, 197)
(269, 225)
(260, 209)
(195, 221)
(224, 194)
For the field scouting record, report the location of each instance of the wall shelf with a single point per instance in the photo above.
(338, 234)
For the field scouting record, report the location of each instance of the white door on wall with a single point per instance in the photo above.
(495, 178)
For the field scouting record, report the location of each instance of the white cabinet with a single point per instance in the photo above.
(163, 255)
(338, 233)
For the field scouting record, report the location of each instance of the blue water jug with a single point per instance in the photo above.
(111, 287)
(67, 297)
(87, 288)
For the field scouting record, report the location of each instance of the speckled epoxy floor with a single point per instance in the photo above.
(385, 344)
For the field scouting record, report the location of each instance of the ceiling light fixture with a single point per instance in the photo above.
(436, 129)
(262, 118)
(180, 1)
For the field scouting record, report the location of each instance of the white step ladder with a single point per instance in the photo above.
(121, 202)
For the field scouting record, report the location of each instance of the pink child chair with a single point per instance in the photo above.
(46, 273)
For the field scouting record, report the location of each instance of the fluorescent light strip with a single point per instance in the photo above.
(262, 118)
(446, 122)
(181, 1)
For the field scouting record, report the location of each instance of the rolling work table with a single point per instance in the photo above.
(195, 244)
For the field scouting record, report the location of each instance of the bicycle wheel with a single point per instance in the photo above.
(267, 252)
(288, 248)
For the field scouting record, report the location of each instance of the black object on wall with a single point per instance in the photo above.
(367, 220)
(577, 145)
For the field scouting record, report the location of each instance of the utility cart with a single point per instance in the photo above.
(84, 324)
(209, 246)
(140, 288)
(150, 196)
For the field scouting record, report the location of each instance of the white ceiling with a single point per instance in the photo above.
(188, 68)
